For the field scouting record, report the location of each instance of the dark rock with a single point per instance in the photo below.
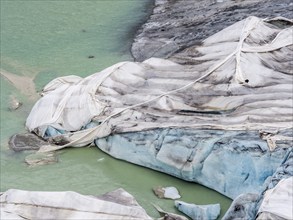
(27, 141)
(176, 25)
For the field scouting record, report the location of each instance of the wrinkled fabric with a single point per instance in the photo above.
(279, 200)
(242, 81)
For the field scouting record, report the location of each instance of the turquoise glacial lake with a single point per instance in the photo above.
(44, 39)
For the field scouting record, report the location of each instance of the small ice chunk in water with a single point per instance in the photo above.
(167, 192)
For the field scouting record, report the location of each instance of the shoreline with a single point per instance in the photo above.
(134, 30)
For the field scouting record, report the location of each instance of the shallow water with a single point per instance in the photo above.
(46, 39)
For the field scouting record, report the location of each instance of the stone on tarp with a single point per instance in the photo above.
(117, 205)
(199, 212)
(168, 215)
(14, 103)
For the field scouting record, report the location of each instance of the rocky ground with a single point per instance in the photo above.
(178, 24)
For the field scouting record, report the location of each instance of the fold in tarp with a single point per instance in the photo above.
(242, 80)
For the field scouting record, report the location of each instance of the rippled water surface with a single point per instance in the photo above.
(45, 39)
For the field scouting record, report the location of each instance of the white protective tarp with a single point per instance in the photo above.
(20, 204)
(242, 81)
(279, 200)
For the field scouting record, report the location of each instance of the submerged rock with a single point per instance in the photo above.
(117, 205)
(167, 192)
(199, 212)
(26, 141)
(31, 142)
(38, 159)
(14, 103)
